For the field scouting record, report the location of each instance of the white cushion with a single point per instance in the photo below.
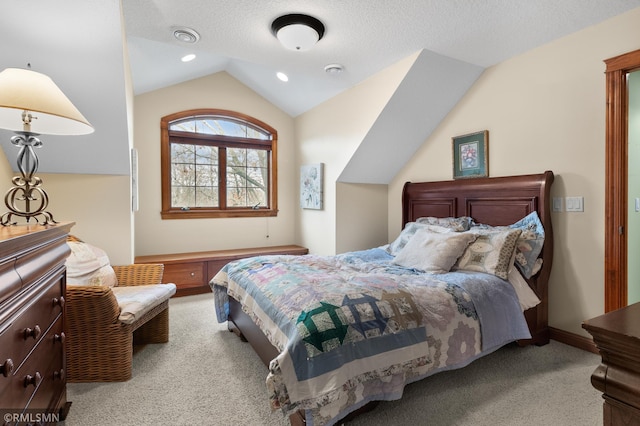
(433, 251)
(137, 300)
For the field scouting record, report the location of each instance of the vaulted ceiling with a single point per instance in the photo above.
(81, 45)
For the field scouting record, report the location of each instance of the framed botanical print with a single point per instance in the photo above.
(311, 186)
(471, 155)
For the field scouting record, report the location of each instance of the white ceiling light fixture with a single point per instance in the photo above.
(186, 35)
(333, 69)
(188, 58)
(282, 76)
(297, 32)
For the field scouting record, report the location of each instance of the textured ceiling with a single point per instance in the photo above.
(79, 44)
(364, 36)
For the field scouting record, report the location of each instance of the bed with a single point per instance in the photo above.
(340, 333)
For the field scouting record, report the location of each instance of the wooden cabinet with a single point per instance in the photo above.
(617, 336)
(191, 272)
(32, 324)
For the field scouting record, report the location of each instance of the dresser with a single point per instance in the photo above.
(191, 272)
(617, 336)
(32, 324)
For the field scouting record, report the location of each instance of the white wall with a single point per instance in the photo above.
(156, 236)
(544, 110)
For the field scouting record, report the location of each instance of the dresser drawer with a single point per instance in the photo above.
(49, 353)
(36, 377)
(29, 323)
(185, 274)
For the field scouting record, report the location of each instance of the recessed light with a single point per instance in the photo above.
(188, 58)
(282, 76)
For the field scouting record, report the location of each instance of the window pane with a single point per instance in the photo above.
(206, 175)
(181, 153)
(206, 154)
(236, 157)
(219, 126)
(183, 175)
(206, 196)
(182, 196)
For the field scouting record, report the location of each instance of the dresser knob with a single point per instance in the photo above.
(59, 337)
(32, 332)
(59, 374)
(7, 367)
(193, 274)
(58, 301)
(32, 380)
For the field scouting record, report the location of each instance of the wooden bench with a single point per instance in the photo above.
(191, 272)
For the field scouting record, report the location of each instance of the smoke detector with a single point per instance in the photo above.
(186, 35)
(333, 69)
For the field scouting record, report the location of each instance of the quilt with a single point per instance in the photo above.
(355, 327)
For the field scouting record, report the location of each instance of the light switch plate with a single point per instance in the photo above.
(557, 204)
(574, 204)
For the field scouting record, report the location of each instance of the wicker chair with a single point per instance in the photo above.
(99, 346)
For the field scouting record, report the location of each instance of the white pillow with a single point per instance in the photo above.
(89, 265)
(433, 251)
(526, 295)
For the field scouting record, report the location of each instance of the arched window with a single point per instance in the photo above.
(217, 163)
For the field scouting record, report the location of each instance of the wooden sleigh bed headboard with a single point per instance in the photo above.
(493, 201)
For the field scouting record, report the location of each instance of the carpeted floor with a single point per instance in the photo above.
(207, 376)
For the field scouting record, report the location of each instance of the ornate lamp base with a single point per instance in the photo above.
(27, 189)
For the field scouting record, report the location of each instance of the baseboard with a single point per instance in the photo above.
(573, 339)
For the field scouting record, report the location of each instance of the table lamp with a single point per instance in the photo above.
(31, 104)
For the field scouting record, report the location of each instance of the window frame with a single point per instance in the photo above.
(169, 212)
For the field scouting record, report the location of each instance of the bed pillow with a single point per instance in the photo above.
(526, 296)
(409, 229)
(433, 251)
(492, 252)
(457, 224)
(529, 244)
(89, 265)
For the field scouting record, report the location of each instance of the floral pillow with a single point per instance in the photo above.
(435, 252)
(529, 244)
(88, 265)
(492, 252)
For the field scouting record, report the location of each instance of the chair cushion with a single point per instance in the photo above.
(89, 265)
(135, 301)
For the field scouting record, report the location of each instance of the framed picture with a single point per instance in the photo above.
(311, 186)
(471, 155)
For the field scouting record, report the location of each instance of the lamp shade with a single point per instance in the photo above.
(54, 114)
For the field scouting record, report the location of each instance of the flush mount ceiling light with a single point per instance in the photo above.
(186, 35)
(297, 31)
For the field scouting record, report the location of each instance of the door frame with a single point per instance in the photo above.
(616, 176)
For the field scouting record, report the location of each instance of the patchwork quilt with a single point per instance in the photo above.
(355, 327)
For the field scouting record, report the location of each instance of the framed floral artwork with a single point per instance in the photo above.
(311, 186)
(471, 155)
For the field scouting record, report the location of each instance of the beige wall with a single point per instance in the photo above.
(154, 235)
(545, 111)
(330, 134)
(100, 205)
(361, 216)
